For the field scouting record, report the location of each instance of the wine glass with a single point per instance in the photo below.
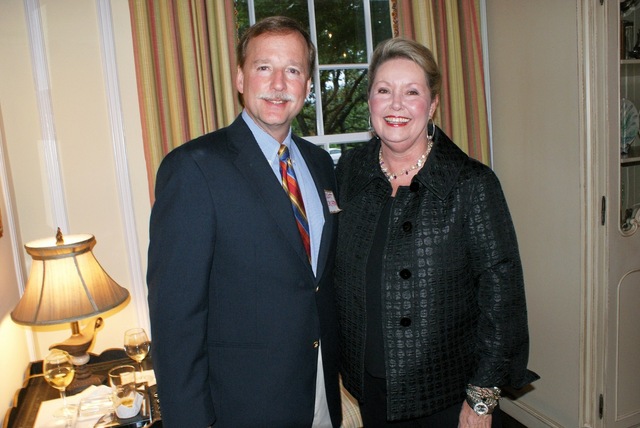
(123, 382)
(136, 345)
(59, 372)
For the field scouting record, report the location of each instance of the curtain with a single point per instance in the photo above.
(185, 66)
(451, 29)
(184, 73)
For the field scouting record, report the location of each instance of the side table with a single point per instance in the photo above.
(35, 390)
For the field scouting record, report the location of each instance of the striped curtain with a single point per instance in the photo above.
(451, 29)
(185, 75)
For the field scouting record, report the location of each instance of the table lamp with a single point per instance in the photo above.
(67, 284)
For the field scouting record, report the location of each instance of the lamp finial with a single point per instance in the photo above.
(59, 237)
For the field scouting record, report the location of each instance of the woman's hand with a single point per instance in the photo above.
(470, 419)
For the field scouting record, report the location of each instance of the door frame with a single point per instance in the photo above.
(594, 75)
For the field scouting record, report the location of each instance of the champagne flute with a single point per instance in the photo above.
(59, 372)
(136, 345)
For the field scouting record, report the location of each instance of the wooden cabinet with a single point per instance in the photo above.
(628, 44)
(621, 240)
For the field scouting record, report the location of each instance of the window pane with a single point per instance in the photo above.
(380, 21)
(305, 122)
(340, 39)
(242, 16)
(341, 36)
(344, 101)
(296, 9)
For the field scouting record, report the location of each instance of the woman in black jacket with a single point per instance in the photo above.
(429, 280)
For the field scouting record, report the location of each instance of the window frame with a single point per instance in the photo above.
(335, 139)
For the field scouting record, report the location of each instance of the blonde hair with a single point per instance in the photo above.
(404, 48)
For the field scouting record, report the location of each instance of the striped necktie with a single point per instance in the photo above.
(290, 185)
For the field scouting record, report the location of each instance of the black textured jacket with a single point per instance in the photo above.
(453, 298)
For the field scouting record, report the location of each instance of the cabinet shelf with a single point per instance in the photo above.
(632, 157)
(630, 62)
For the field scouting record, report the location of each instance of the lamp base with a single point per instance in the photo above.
(79, 385)
(84, 378)
(77, 346)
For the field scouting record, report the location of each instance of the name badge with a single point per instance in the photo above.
(331, 202)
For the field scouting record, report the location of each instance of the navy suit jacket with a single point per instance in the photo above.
(236, 311)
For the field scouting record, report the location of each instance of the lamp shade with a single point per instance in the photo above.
(66, 283)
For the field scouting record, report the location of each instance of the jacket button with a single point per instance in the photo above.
(316, 343)
(414, 186)
(405, 274)
(317, 288)
(407, 226)
(405, 321)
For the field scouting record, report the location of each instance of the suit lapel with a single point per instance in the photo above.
(252, 164)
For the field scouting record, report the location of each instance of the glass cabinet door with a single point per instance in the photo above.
(629, 116)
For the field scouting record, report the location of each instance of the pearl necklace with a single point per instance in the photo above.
(392, 176)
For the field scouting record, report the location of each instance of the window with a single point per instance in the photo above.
(345, 33)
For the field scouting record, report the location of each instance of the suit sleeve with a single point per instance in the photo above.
(182, 237)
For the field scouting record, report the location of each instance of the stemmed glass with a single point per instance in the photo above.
(136, 345)
(59, 372)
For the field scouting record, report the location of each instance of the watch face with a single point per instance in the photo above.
(481, 408)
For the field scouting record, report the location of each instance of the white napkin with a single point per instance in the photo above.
(45, 418)
(125, 412)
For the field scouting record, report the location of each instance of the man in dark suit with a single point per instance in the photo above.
(241, 298)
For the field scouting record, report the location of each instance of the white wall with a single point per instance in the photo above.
(533, 54)
(83, 125)
(13, 340)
